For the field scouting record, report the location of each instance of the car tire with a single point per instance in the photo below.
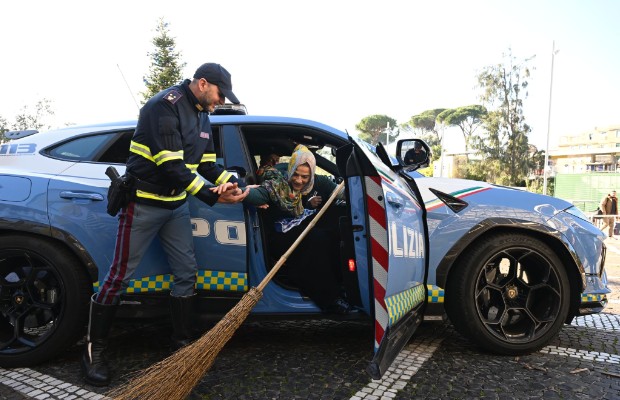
(44, 298)
(509, 294)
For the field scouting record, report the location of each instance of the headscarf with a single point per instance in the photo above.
(280, 191)
(301, 155)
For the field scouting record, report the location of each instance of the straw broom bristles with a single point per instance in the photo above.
(175, 377)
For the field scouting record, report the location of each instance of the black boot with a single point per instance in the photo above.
(181, 310)
(94, 363)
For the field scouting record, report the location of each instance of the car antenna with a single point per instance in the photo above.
(128, 88)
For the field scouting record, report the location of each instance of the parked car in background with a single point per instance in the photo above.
(508, 267)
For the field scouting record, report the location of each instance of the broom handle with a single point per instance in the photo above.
(301, 237)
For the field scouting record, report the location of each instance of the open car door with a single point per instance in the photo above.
(391, 248)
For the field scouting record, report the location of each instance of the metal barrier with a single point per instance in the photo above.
(589, 208)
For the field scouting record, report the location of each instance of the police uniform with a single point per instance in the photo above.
(172, 143)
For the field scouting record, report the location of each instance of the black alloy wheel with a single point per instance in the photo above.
(43, 300)
(510, 295)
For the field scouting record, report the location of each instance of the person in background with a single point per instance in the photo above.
(609, 206)
(172, 144)
(313, 265)
(267, 161)
(415, 155)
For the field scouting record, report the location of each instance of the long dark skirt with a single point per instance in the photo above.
(314, 265)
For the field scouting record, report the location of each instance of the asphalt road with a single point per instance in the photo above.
(326, 360)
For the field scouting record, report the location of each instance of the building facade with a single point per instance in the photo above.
(597, 150)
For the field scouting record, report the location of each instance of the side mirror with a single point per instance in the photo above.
(413, 153)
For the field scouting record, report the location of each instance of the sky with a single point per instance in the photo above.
(333, 61)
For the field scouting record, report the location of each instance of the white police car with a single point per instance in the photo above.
(509, 267)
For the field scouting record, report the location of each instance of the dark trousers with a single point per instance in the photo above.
(314, 265)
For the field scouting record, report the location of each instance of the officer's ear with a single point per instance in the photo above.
(203, 84)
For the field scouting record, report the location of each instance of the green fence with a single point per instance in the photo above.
(586, 190)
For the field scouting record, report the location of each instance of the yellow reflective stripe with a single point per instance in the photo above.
(147, 195)
(195, 186)
(141, 150)
(208, 157)
(223, 178)
(167, 155)
(192, 167)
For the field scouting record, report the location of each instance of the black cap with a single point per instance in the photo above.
(217, 75)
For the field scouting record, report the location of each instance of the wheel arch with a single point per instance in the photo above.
(60, 238)
(545, 234)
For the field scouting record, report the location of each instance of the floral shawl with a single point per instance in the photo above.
(279, 188)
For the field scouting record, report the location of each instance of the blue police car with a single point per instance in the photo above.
(507, 267)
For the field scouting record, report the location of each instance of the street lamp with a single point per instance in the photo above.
(553, 53)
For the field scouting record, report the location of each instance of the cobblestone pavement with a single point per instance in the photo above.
(326, 360)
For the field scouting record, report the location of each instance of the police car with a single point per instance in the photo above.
(507, 267)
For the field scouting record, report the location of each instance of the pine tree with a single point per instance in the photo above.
(166, 67)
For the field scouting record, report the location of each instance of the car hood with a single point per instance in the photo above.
(491, 196)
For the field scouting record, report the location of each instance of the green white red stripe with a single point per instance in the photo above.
(459, 194)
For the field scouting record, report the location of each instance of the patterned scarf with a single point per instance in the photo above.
(280, 191)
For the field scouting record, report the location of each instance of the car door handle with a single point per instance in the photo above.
(80, 195)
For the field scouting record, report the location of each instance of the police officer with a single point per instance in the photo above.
(172, 144)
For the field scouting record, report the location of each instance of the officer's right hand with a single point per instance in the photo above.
(233, 196)
(224, 187)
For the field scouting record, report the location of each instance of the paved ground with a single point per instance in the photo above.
(326, 360)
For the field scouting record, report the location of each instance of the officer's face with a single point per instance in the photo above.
(210, 95)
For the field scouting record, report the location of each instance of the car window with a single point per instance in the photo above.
(109, 147)
(215, 131)
(84, 148)
(118, 149)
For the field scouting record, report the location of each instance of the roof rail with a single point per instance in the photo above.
(230, 109)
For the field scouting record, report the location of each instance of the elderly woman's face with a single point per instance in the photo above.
(300, 177)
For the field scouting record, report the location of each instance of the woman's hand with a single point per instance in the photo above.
(315, 201)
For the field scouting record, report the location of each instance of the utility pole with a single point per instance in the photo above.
(553, 53)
